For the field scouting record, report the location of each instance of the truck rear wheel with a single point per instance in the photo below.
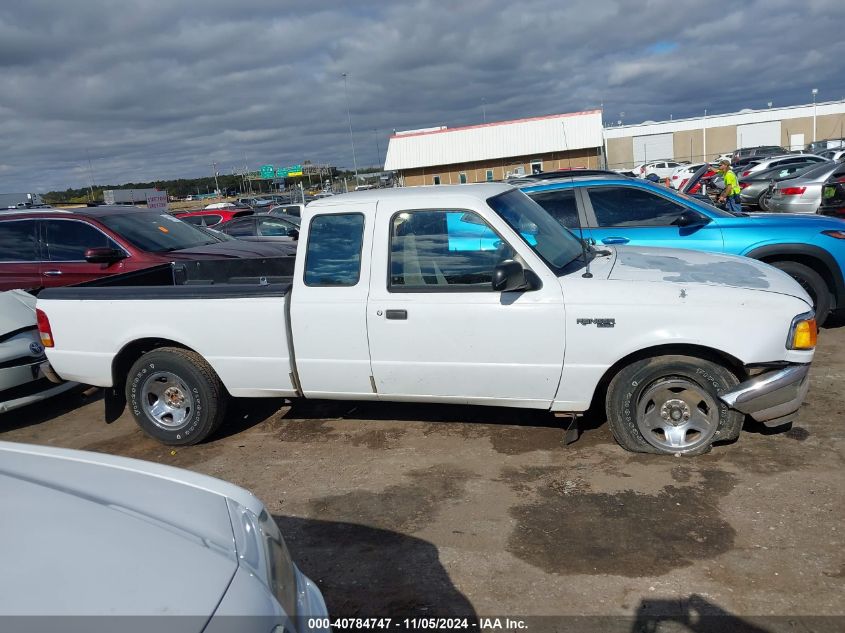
(175, 396)
(670, 405)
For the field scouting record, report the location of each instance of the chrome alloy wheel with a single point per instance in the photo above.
(677, 415)
(166, 400)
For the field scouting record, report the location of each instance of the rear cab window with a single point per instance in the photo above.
(333, 253)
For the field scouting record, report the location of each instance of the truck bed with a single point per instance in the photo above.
(187, 280)
(244, 338)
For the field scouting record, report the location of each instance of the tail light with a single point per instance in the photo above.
(743, 185)
(44, 328)
(745, 173)
(840, 179)
(793, 191)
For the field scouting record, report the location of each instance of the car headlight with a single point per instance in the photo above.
(803, 332)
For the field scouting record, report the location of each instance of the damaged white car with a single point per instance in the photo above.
(22, 360)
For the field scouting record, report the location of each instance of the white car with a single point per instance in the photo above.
(22, 360)
(220, 205)
(118, 541)
(662, 168)
(726, 156)
(682, 173)
(469, 294)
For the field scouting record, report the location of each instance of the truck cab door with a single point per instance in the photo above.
(328, 310)
(438, 330)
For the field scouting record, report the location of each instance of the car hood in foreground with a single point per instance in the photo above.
(694, 267)
(91, 534)
(234, 248)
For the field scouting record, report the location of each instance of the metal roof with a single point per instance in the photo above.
(503, 139)
(742, 117)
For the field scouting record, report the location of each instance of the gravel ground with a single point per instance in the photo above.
(445, 510)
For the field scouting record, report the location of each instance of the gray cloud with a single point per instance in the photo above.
(154, 89)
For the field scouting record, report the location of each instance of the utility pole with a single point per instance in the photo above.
(349, 119)
(484, 109)
(91, 173)
(216, 184)
(815, 92)
(378, 150)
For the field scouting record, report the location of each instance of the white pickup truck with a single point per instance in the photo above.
(469, 294)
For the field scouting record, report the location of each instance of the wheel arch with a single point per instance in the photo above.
(811, 256)
(132, 351)
(671, 349)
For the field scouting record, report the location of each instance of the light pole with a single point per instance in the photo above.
(378, 149)
(349, 119)
(815, 92)
(216, 184)
(484, 109)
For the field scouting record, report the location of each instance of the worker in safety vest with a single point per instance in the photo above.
(730, 195)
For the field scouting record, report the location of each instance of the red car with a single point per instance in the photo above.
(213, 218)
(53, 247)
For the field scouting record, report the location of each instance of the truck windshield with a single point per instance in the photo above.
(551, 241)
(157, 232)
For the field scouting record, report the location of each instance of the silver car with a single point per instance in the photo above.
(22, 360)
(106, 537)
(770, 162)
(804, 193)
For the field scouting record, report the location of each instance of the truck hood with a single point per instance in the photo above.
(96, 535)
(686, 267)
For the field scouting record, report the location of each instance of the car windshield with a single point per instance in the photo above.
(156, 232)
(551, 241)
(709, 207)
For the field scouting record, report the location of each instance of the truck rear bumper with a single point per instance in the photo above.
(772, 398)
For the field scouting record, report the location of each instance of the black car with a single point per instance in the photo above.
(833, 194)
(756, 152)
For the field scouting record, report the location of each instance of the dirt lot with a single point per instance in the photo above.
(431, 510)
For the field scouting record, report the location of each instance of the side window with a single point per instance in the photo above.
(197, 220)
(628, 206)
(242, 228)
(446, 250)
(67, 240)
(273, 228)
(333, 255)
(18, 241)
(561, 206)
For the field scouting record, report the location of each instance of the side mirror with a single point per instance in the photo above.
(294, 233)
(510, 276)
(104, 255)
(691, 218)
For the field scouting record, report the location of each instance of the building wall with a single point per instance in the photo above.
(620, 152)
(477, 171)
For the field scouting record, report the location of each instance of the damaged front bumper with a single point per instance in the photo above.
(773, 397)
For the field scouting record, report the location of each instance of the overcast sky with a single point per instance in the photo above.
(158, 89)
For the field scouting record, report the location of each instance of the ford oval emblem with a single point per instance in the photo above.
(36, 348)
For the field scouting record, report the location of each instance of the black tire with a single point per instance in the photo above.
(813, 283)
(193, 401)
(763, 201)
(630, 403)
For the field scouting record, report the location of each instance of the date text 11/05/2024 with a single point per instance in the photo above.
(416, 624)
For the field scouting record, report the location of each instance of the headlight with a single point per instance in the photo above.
(803, 332)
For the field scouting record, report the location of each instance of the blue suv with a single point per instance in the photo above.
(620, 210)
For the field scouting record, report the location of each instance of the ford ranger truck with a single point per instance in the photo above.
(469, 294)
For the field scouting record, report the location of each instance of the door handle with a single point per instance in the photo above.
(615, 240)
(52, 273)
(397, 315)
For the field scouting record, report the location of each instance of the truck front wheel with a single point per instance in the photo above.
(670, 405)
(175, 396)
